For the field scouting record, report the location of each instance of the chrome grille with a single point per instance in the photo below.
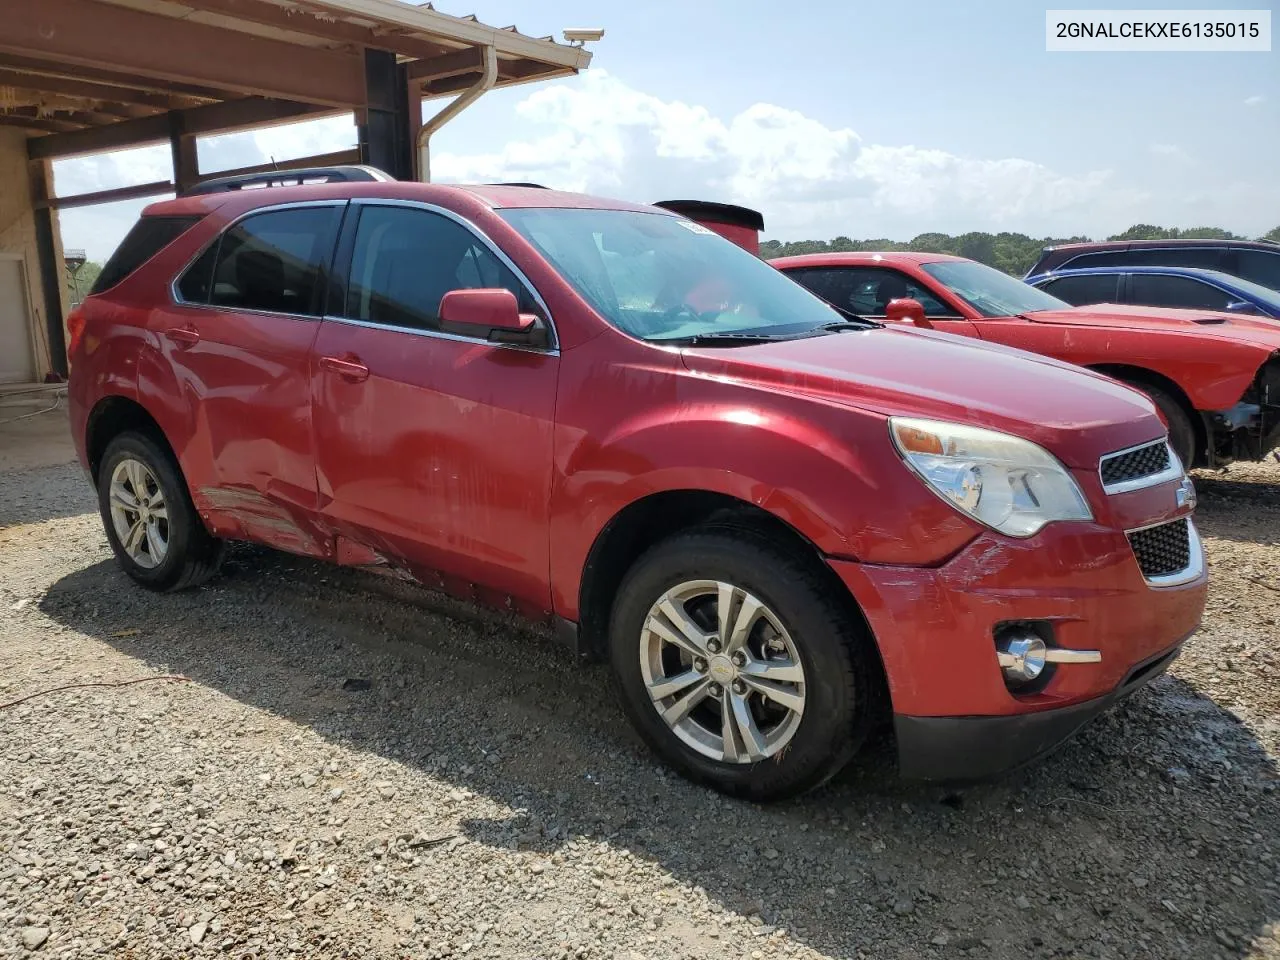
(1163, 550)
(1136, 464)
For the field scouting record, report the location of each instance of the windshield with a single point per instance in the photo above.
(990, 292)
(1254, 291)
(663, 278)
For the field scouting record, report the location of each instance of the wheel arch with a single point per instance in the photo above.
(653, 518)
(113, 415)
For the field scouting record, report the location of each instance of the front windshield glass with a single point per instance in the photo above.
(1254, 291)
(663, 278)
(990, 292)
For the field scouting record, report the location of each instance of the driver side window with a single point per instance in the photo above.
(405, 260)
(867, 290)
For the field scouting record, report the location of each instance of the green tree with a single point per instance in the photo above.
(1272, 235)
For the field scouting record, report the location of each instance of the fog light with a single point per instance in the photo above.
(1022, 656)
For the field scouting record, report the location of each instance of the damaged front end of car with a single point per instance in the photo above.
(1250, 430)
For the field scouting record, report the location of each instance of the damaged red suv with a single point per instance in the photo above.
(780, 524)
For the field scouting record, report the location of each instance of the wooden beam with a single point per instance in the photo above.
(154, 189)
(463, 30)
(450, 65)
(179, 94)
(210, 118)
(38, 123)
(300, 19)
(65, 87)
(83, 118)
(179, 50)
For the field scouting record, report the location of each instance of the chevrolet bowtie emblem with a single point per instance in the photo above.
(1186, 493)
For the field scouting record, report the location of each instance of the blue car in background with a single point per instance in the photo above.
(1184, 287)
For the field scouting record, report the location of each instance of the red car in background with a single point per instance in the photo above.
(777, 523)
(1214, 376)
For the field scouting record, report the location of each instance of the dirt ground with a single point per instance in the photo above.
(355, 767)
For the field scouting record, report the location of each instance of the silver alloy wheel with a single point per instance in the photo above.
(139, 513)
(722, 671)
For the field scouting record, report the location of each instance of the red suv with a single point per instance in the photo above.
(779, 524)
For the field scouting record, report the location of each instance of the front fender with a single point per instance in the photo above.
(829, 473)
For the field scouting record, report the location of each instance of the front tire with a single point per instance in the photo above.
(150, 521)
(1182, 432)
(767, 702)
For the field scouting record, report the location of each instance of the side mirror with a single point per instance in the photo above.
(490, 313)
(1241, 306)
(907, 310)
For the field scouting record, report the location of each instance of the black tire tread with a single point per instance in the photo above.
(858, 663)
(201, 553)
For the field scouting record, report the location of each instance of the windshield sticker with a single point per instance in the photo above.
(693, 227)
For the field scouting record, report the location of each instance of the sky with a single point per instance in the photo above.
(832, 118)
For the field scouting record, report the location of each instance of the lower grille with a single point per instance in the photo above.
(1163, 550)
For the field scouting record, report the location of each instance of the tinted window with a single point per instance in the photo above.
(406, 260)
(1082, 291)
(274, 261)
(1260, 266)
(196, 283)
(1206, 257)
(1153, 290)
(867, 290)
(148, 237)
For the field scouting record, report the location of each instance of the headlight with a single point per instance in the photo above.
(1008, 483)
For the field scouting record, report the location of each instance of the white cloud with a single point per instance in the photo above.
(1255, 101)
(595, 133)
(809, 179)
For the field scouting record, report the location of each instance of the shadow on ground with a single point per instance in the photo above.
(1151, 835)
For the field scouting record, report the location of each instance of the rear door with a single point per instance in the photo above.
(239, 341)
(433, 448)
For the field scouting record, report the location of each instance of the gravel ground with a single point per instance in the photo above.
(355, 767)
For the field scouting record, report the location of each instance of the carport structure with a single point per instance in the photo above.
(88, 76)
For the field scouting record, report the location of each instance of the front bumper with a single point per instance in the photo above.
(935, 628)
(975, 748)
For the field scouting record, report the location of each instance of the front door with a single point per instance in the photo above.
(867, 291)
(433, 449)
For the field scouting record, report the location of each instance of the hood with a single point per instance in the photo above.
(1208, 323)
(1076, 414)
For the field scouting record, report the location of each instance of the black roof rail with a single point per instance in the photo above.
(535, 186)
(727, 213)
(339, 174)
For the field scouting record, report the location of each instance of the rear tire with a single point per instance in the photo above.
(151, 523)
(1182, 432)
(790, 677)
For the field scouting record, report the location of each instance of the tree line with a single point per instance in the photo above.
(1013, 253)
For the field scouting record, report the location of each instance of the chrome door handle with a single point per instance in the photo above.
(349, 369)
(183, 336)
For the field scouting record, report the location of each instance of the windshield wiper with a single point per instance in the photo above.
(851, 321)
(724, 339)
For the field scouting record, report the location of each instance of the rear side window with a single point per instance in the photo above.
(1082, 291)
(1160, 291)
(273, 262)
(1260, 266)
(148, 237)
(867, 290)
